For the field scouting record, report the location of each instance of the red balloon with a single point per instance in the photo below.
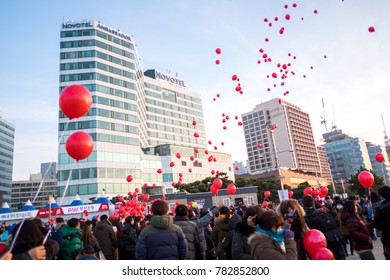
(267, 193)
(237, 168)
(217, 61)
(290, 193)
(324, 191)
(136, 190)
(265, 204)
(171, 164)
(366, 179)
(196, 134)
(231, 189)
(371, 29)
(86, 213)
(322, 254)
(75, 101)
(120, 199)
(308, 191)
(218, 50)
(217, 183)
(79, 145)
(129, 178)
(313, 239)
(214, 190)
(193, 123)
(159, 171)
(178, 155)
(145, 186)
(379, 157)
(316, 192)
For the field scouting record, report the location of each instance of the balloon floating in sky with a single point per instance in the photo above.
(75, 101)
(366, 179)
(379, 157)
(218, 50)
(79, 145)
(371, 29)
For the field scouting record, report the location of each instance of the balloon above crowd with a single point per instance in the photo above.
(366, 179)
(75, 101)
(79, 145)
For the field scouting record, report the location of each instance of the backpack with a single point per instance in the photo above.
(328, 225)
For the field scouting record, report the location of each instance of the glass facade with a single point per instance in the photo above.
(7, 136)
(382, 169)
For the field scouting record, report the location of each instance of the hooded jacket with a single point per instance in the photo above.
(71, 242)
(106, 238)
(266, 248)
(162, 240)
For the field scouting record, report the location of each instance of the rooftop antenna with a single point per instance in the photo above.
(323, 118)
(384, 131)
(334, 126)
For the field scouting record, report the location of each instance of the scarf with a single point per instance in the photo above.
(276, 235)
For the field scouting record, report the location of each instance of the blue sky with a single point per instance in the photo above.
(181, 37)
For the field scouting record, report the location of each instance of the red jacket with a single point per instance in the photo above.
(361, 237)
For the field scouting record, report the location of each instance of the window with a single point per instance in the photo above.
(226, 202)
(250, 200)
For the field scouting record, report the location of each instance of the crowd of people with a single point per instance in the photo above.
(220, 233)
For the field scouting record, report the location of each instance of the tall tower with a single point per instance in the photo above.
(7, 138)
(290, 144)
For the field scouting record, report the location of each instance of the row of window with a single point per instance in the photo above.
(99, 124)
(179, 95)
(96, 76)
(7, 140)
(97, 43)
(175, 115)
(6, 126)
(6, 133)
(8, 148)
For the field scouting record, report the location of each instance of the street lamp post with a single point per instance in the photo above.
(271, 128)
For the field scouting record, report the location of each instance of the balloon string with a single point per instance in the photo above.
(11, 247)
(51, 164)
(66, 187)
(47, 235)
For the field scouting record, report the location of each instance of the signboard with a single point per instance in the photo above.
(283, 195)
(46, 212)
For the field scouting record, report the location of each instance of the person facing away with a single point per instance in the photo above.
(71, 239)
(127, 240)
(57, 235)
(105, 236)
(240, 246)
(361, 237)
(382, 219)
(220, 231)
(327, 224)
(162, 239)
(270, 241)
(191, 231)
(28, 245)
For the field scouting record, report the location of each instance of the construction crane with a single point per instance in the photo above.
(323, 118)
(334, 126)
(384, 131)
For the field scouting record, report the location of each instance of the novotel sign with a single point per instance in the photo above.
(169, 78)
(89, 24)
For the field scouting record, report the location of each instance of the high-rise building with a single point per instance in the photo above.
(37, 188)
(346, 154)
(324, 163)
(279, 134)
(382, 169)
(132, 113)
(7, 138)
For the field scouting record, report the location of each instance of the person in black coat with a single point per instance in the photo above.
(382, 218)
(127, 240)
(240, 246)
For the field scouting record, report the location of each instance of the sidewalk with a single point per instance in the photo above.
(378, 251)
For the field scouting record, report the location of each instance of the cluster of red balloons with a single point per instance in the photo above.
(133, 206)
(322, 192)
(76, 101)
(315, 244)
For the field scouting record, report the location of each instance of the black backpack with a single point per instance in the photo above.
(328, 225)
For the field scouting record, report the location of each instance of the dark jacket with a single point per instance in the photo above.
(192, 234)
(106, 238)
(266, 248)
(382, 221)
(240, 246)
(361, 237)
(126, 242)
(220, 231)
(71, 242)
(161, 240)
